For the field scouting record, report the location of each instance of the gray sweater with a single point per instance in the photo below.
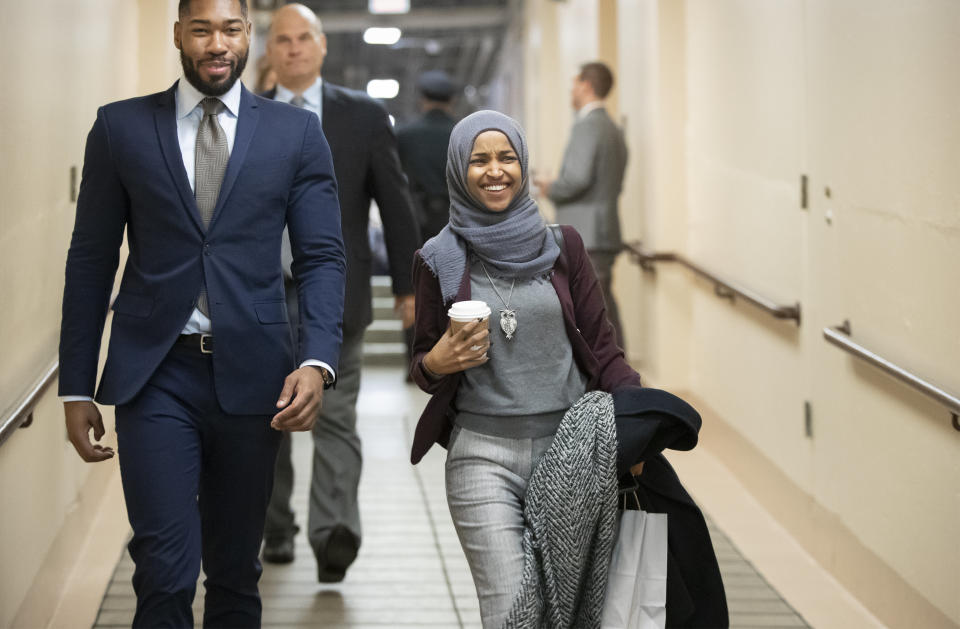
(530, 380)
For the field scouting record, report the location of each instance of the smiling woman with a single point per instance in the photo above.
(213, 37)
(494, 174)
(507, 396)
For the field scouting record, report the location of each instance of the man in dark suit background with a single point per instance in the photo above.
(422, 148)
(366, 164)
(423, 151)
(203, 177)
(587, 190)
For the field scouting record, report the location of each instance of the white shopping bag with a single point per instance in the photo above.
(636, 595)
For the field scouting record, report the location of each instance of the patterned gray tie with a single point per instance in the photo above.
(298, 101)
(212, 154)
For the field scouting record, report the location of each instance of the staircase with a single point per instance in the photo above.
(383, 340)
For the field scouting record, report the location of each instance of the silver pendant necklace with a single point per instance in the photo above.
(508, 318)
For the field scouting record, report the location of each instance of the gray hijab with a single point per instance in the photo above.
(513, 243)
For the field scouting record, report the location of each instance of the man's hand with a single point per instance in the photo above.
(305, 388)
(463, 350)
(80, 417)
(403, 307)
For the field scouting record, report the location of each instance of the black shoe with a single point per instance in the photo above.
(339, 552)
(278, 550)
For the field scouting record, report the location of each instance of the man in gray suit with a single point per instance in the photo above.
(585, 192)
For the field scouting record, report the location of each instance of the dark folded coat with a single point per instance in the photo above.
(649, 421)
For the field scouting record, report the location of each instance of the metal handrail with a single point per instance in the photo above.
(723, 288)
(840, 336)
(22, 414)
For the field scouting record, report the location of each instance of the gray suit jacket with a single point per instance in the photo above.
(585, 193)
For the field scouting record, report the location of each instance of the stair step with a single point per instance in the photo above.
(383, 308)
(384, 354)
(381, 285)
(384, 331)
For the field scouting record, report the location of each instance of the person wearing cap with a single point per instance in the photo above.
(422, 145)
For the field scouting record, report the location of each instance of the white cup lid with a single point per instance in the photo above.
(468, 310)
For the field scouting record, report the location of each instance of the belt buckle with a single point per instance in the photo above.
(206, 348)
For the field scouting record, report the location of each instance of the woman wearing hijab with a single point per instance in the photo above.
(500, 391)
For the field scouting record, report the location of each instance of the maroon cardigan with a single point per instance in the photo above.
(584, 317)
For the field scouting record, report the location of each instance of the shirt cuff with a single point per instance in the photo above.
(76, 398)
(319, 363)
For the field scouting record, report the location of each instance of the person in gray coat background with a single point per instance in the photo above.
(585, 192)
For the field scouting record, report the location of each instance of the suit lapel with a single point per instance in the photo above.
(247, 119)
(166, 122)
(331, 106)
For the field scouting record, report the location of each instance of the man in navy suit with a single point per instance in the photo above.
(203, 177)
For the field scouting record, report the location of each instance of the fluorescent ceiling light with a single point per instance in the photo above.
(383, 88)
(386, 36)
(389, 6)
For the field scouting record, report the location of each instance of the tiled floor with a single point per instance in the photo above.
(411, 571)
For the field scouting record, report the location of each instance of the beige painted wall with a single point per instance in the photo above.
(861, 96)
(63, 60)
(652, 88)
(727, 103)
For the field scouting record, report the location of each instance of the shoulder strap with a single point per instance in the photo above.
(557, 234)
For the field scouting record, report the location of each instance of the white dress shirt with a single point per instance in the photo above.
(312, 96)
(189, 115)
(586, 109)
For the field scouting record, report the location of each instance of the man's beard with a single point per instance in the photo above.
(206, 87)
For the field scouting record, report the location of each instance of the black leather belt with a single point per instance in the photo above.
(201, 342)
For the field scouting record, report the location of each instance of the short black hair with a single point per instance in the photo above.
(184, 7)
(599, 76)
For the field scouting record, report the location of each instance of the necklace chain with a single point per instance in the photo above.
(508, 318)
(506, 303)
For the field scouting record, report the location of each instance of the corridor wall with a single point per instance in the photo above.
(62, 61)
(726, 105)
(860, 97)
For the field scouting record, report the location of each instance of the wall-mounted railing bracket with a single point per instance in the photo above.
(723, 292)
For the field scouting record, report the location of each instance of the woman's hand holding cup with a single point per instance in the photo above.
(465, 343)
(460, 350)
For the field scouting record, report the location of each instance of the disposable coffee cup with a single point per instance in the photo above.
(463, 312)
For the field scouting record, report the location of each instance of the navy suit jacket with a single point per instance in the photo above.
(280, 172)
